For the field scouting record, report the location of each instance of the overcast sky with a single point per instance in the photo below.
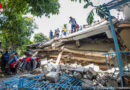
(67, 9)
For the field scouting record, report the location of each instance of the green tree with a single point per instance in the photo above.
(17, 32)
(39, 37)
(16, 27)
(35, 7)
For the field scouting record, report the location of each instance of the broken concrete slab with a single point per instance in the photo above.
(52, 76)
(91, 74)
(79, 69)
(37, 71)
(77, 75)
(111, 83)
(87, 84)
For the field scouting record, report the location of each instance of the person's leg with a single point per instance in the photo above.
(9, 69)
(2, 66)
(71, 28)
(38, 63)
(24, 65)
(28, 66)
(65, 33)
(74, 26)
(34, 65)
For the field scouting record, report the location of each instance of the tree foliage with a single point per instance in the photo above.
(101, 10)
(39, 37)
(35, 7)
(16, 26)
(17, 32)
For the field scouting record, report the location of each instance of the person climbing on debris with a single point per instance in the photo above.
(72, 21)
(58, 32)
(31, 63)
(34, 63)
(51, 34)
(12, 63)
(25, 62)
(4, 61)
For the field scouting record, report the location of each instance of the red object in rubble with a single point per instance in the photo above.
(0, 5)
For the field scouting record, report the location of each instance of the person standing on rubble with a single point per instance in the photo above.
(51, 34)
(58, 32)
(65, 30)
(72, 21)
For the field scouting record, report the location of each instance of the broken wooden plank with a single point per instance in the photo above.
(124, 25)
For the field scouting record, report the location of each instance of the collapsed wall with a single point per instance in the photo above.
(81, 50)
(87, 46)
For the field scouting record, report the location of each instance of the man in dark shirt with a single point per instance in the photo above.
(5, 58)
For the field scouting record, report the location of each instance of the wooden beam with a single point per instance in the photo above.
(124, 25)
(98, 54)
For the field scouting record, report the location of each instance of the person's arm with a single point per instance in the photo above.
(75, 21)
(15, 57)
(69, 21)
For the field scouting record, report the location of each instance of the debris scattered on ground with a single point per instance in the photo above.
(89, 76)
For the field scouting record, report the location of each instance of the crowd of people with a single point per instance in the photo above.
(11, 63)
(74, 28)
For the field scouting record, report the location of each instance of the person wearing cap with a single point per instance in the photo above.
(72, 21)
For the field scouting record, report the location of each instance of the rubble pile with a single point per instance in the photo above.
(70, 53)
(91, 78)
(80, 55)
(86, 74)
(86, 77)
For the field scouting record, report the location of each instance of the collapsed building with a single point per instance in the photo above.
(88, 55)
(86, 46)
(83, 60)
(82, 54)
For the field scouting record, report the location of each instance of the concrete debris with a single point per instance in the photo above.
(45, 70)
(111, 83)
(79, 69)
(52, 76)
(77, 75)
(37, 71)
(87, 84)
(91, 74)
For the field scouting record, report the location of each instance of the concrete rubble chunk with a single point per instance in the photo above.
(52, 76)
(87, 84)
(45, 70)
(37, 71)
(79, 69)
(91, 74)
(77, 75)
(111, 83)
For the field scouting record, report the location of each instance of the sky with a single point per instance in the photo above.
(67, 9)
